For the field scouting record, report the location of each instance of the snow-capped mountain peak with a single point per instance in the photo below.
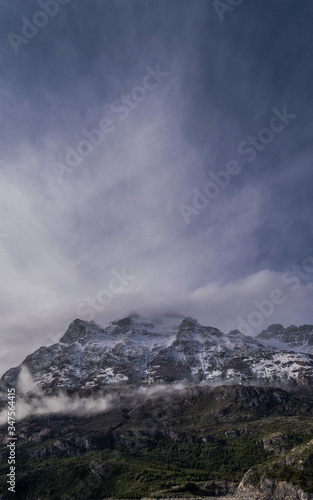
(169, 348)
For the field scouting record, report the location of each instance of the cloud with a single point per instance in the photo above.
(119, 207)
(37, 404)
(31, 401)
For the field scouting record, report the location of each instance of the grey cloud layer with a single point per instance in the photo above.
(119, 208)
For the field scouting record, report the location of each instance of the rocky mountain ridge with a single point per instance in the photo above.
(293, 338)
(168, 349)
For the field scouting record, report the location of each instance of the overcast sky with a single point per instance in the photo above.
(121, 222)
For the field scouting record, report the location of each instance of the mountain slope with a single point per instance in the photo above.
(200, 440)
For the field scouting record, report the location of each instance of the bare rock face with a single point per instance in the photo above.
(272, 490)
(277, 442)
(170, 348)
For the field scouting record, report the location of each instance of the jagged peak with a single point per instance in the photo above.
(235, 332)
(75, 330)
(190, 321)
(123, 321)
(277, 329)
(133, 314)
(188, 325)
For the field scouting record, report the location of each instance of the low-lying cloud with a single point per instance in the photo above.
(31, 401)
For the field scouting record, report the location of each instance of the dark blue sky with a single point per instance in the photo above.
(176, 91)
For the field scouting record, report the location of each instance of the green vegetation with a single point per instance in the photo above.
(121, 474)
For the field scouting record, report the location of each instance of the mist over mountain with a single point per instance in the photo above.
(89, 360)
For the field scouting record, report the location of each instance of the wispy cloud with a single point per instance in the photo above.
(32, 401)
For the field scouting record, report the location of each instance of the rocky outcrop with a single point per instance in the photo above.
(272, 490)
(289, 477)
(277, 442)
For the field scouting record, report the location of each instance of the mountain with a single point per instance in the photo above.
(168, 349)
(293, 338)
(163, 408)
